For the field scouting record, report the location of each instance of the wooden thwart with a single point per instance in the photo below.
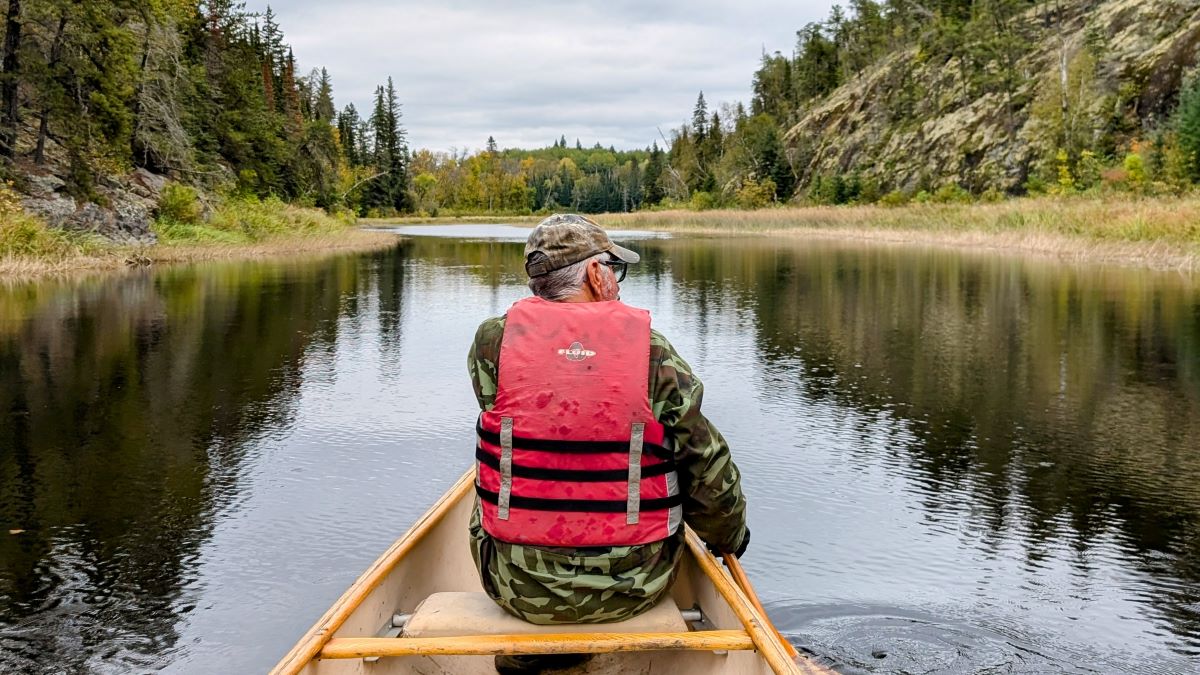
(550, 643)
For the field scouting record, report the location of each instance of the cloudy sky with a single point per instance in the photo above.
(527, 72)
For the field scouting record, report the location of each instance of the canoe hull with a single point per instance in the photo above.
(434, 556)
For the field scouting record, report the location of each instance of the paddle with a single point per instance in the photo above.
(739, 577)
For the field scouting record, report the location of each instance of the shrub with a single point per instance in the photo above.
(247, 219)
(992, 195)
(922, 197)
(952, 194)
(1088, 170)
(1135, 168)
(1066, 182)
(869, 191)
(1035, 185)
(23, 236)
(180, 204)
(702, 201)
(756, 194)
(894, 198)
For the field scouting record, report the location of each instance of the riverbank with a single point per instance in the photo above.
(237, 229)
(1158, 233)
(115, 258)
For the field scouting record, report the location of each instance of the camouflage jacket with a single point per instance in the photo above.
(549, 585)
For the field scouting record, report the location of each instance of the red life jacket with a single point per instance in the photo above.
(571, 454)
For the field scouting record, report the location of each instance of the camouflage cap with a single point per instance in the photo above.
(565, 239)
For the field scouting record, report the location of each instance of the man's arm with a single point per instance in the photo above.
(711, 484)
(483, 361)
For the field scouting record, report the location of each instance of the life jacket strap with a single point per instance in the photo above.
(571, 447)
(506, 462)
(572, 475)
(579, 505)
(633, 499)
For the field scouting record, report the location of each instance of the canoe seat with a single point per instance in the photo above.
(456, 614)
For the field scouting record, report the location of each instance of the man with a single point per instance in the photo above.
(592, 449)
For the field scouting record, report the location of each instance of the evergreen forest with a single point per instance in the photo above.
(205, 92)
(885, 101)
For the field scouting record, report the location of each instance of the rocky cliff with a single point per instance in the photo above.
(122, 209)
(912, 122)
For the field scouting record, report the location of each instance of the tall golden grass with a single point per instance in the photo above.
(1153, 232)
(127, 257)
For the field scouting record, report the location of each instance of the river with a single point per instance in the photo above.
(955, 462)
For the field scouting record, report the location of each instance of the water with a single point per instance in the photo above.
(955, 463)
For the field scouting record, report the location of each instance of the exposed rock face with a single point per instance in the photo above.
(126, 220)
(949, 134)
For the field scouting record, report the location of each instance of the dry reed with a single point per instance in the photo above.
(119, 258)
(1163, 233)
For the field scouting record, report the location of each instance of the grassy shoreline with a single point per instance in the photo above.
(233, 228)
(114, 258)
(1160, 233)
(1156, 233)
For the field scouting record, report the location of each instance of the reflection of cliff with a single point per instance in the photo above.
(1074, 394)
(127, 408)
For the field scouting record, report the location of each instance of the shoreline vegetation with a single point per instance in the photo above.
(1160, 233)
(188, 231)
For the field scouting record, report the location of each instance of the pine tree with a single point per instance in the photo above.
(291, 96)
(700, 119)
(390, 190)
(652, 180)
(348, 125)
(323, 110)
(10, 108)
(273, 48)
(1187, 123)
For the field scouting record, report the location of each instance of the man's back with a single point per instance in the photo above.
(558, 569)
(602, 584)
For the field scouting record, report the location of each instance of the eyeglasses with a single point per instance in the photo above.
(619, 267)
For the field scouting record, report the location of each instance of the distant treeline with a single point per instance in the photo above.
(203, 91)
(598, 179)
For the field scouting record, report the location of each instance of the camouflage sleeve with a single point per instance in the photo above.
(483, 361)
(713, 501)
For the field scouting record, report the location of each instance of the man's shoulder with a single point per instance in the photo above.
(490, 328)
(660, 346)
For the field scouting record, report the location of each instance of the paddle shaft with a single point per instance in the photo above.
(739, 576)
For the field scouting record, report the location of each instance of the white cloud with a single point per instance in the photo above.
(609, 72)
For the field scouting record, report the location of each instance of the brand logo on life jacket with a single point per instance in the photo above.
(576, 352)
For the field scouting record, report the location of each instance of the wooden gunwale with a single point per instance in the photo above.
(550, 643)
(767, 643)
(319, 642)
(317, 636)
(739, 576)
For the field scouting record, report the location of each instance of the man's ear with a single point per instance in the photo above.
(595, 280)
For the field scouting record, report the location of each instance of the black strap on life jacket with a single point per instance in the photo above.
(572, 475)
(573, 447)
(578, 505)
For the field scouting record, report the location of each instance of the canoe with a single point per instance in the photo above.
(420, 609)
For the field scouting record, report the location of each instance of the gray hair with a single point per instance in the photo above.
(563, 282)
